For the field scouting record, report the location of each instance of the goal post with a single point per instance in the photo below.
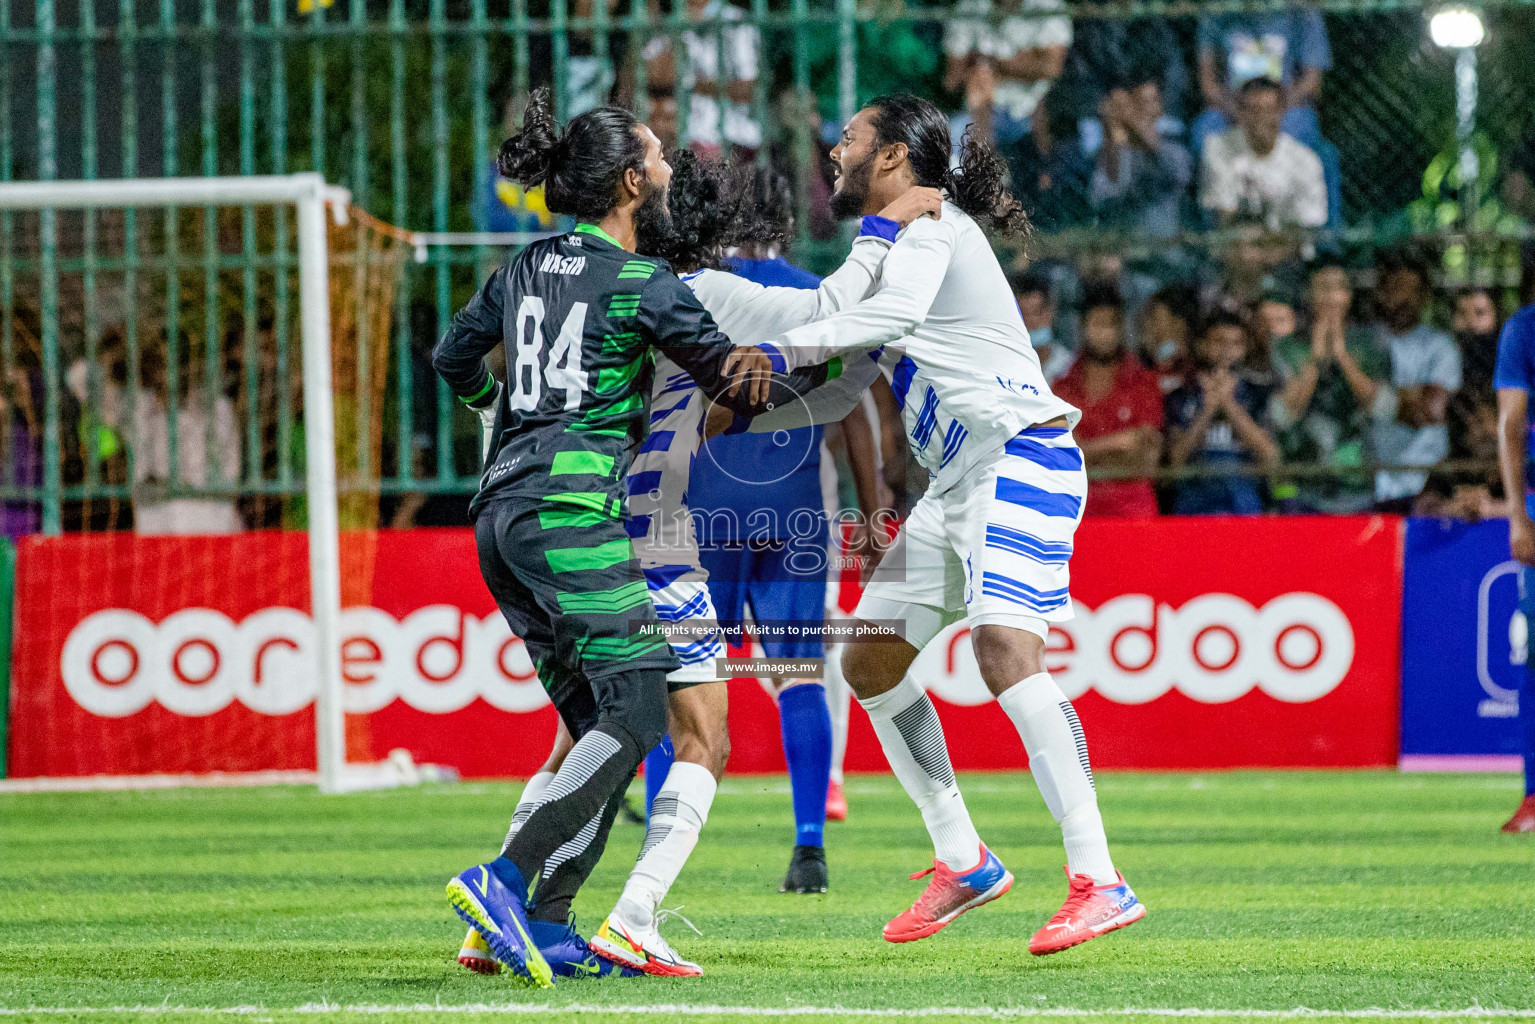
(309, 195)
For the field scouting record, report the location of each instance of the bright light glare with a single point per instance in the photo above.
(1456, 27)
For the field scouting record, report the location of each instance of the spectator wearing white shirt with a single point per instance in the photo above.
(1256, 173)
(1003, 55)
(1425, 374)
(720, 108)
(155, 514)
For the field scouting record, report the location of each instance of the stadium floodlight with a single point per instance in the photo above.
(1460, 29)
(1454, 28)
(309, 195)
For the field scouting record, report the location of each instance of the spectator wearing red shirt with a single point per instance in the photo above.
(1121, 403)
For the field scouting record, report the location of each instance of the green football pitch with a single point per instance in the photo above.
(1271, 895)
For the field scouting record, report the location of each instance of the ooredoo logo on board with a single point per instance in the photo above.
(196, 661)
(1215, 648)
(1131, 649)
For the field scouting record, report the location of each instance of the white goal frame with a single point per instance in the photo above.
(309, 194)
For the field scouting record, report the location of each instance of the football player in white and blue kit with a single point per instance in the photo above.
(991, 540)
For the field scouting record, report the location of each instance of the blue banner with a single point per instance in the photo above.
(1463, 639)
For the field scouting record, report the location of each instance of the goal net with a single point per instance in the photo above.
(193, 378)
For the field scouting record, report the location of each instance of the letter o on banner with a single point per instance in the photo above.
(1307, 644)
(1210, 644)
(195, 661)
(107, 663)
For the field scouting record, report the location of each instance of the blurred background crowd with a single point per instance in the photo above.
(1273, 244)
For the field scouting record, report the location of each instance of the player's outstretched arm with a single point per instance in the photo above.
(679, 326)
(459, 357)
(913, 271)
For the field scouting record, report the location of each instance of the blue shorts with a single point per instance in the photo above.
(763, 574)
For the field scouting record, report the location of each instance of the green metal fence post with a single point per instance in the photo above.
(404, 366)
(803, 98)
(88, 169)
(48, 170)
(128, 31)
(170, 158)
(440, 223)
(250, 355)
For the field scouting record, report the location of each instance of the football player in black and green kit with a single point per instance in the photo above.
(579, 315)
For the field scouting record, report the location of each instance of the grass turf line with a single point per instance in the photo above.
(1268, 891)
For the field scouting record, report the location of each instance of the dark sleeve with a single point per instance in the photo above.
(459, 357)
(679, 325)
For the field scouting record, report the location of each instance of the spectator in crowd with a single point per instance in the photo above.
(1218, 420)
(1036, 301)
(1002, 58)
(21, 450)
(1472, 417)
(1050, 173)
(720, 110)
(1475, 325)
(1165, 332)
(1140, 176)
(1121, 426)
(1107, 48)
(1258, 174)
(1334, 384)
(197, 465)
(1425, 372)
(1289, 48)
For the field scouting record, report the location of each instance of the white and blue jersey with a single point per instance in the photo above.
(954, 344)
(992, 537)
(660, 521)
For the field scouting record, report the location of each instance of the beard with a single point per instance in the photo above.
(853, 189)
(653, 222)
(1109, 358)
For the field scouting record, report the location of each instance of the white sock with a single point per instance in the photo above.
(908, 729)
(1052, 735)
(676, 817)
(839, 697)
(532, 796)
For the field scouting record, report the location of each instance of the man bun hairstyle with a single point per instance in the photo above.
(581, 165)
(978, 186)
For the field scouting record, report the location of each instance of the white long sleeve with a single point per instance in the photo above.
(951, 338)
(751, 313)
(912, 274)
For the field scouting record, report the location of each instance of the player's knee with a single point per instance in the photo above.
(1005, 655)
(643, 713)
(865, 671)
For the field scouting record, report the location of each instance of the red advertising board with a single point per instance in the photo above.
(1199, 643)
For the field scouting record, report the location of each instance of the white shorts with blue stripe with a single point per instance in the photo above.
(993, 548)
(688, 600)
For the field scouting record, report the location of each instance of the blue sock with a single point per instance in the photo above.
(1527, 719)
(657, 763)
(806, 726)
(505, 869)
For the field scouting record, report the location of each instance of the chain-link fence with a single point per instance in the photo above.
(405, 101)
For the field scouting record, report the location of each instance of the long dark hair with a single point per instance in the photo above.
(979, 185)
(717, 205)
(709, 200)
(580, 167)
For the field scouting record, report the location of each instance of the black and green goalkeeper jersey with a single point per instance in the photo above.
(580, 316)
